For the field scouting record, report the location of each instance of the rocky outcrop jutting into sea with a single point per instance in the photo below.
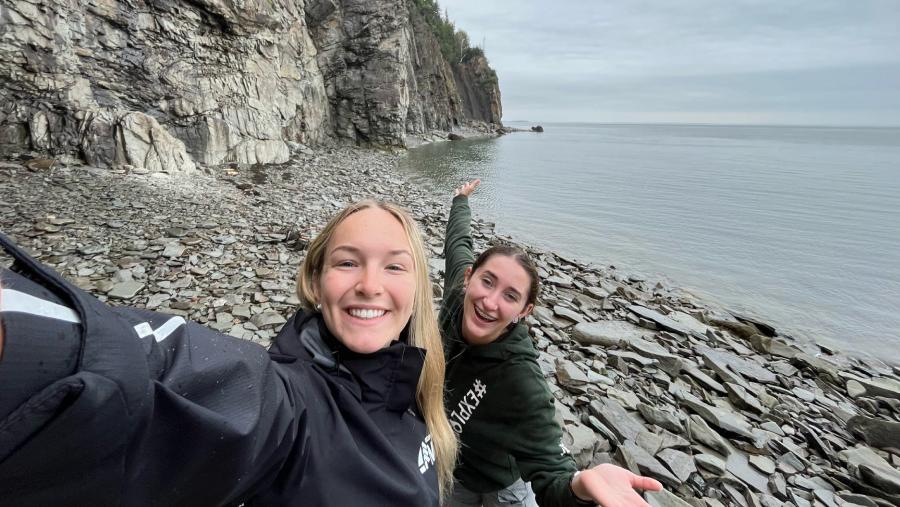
(166, 85)
(719, 407)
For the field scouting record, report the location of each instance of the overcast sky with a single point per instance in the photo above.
(808, 62)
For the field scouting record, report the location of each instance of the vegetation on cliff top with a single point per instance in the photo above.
(455, 45)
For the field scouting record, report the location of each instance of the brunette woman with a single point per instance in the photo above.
(497, 400)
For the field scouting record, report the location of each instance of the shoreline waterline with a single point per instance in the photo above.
(749, 234)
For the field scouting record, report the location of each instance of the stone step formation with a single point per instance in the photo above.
(718, 406)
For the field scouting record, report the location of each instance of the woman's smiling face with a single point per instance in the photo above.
(496, 293)
(367, 283)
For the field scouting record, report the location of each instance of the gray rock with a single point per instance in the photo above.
(876, 432)
(743, 399)
(664, 498)
(747, 368)
(647, 464)
(763, 464)
(881, 386)
(125, 290)
(867, 465)
(607, 333)
(267, 319)
(660, 418)
(681, 464)
(567, 314)
(628, 399)
(570, 375)
(719, 418)
(698, 431)
(660, 319)
(855, 389)
(631, 357)
(711, 463)
(624, 425)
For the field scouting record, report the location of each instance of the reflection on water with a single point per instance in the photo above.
(798, 225)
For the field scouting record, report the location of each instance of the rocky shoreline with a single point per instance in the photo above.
(717, 406)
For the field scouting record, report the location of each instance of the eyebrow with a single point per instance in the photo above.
(492, 275)
(358, 251)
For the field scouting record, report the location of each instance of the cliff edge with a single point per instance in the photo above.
(166, 85)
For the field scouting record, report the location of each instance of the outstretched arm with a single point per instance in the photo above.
(131, 404)
(1, 321)
(458, 254)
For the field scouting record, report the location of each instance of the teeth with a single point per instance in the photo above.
(483, 316)
(361, 313)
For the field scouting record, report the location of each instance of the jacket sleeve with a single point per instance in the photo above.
(538, 449)
(458, 253)
(158, 410)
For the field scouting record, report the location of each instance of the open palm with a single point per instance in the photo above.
(613, 486)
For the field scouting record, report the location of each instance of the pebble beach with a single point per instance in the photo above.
(720, 407)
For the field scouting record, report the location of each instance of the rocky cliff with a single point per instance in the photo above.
(165, 84)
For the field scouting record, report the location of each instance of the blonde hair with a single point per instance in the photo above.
(423, 330)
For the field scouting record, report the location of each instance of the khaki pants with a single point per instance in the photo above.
(518, 494)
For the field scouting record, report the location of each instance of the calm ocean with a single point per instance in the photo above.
(799, 226)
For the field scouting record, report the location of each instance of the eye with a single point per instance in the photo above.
(396, 267)
(346, 263)
(487, 282)
(512, 297)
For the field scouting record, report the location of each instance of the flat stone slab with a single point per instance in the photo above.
(719, 418)
(125, 290)
(711, 463)
(689, 322)
(614, 416)
(871, 468)
(681, 464)
(699, 431)
(608, 333)
(632, 357)
(267, 319)
(881, 386)
(876, 432)
(660, 319)
(749, 369)
(661, 418)
(664, 498)
(569, 374)
(565, 313)
(648, 465)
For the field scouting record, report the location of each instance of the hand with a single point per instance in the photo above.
(467, 188)
(612, 486)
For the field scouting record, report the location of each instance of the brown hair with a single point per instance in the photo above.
(423, 329)
(523, 259)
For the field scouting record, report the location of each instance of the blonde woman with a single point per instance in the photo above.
(102, 406)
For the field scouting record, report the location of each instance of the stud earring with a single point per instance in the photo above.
(318, 307)
(516, 320)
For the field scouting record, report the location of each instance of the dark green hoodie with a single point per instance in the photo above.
(497, 400)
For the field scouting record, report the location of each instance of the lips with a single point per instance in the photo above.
(483, 316)
(366, 313)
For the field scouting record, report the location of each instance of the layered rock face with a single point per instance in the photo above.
(166, 85)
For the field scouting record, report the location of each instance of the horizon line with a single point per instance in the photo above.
(707, 124)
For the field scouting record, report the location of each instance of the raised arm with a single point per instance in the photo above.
(458, 254)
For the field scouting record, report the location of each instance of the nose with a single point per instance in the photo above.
(491, 301)
(369, 283)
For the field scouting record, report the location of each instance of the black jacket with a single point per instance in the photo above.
(160, 411)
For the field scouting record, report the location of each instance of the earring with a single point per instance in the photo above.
(516, 320)
(318, 307)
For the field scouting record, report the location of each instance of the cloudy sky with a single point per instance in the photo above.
(808, 62)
